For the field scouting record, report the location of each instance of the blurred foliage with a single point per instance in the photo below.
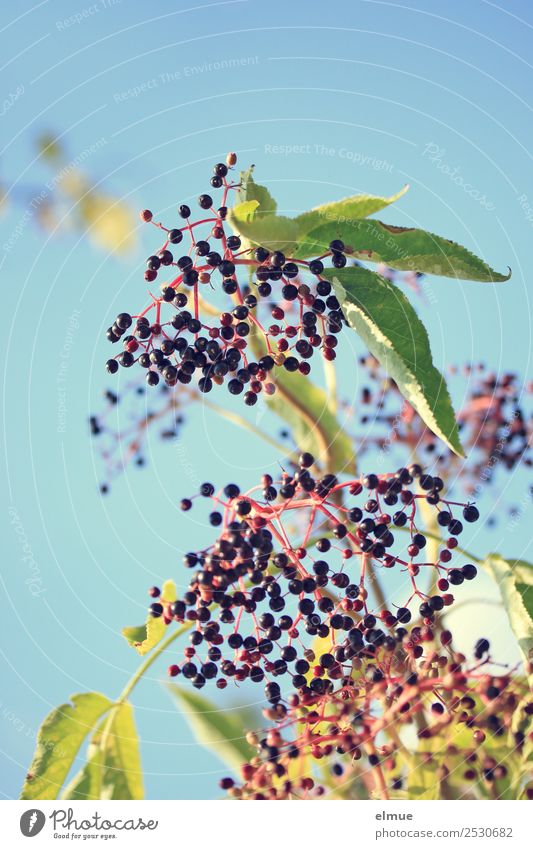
(71, 201)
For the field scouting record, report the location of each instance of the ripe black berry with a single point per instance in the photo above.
(175, 236)
(471, 513)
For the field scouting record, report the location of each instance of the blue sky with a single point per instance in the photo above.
(327, 100)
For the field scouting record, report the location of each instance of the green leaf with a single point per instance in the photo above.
(245, 211)
(251, 191)
(402, 248)
(221, 731)
(58, 741)
(87, 783)
(255, 219)
(304, 406)
(135, 634)
(113, 769)
(274, 232)
(422, 780)
(390, 328)
(515, 582)
(328, 217)
(145, 637)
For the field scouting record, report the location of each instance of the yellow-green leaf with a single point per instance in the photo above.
(113, 769)
(245, 211)
(145, 637)
(249, 190)
(274, 232)
(49, 147)
(109, 222)
(58, 741)
(515, 582)
(422, 778)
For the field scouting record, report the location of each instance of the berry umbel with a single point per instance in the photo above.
(280, 318)
(292, 562)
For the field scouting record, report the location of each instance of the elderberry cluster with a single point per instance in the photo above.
(464, 716)
(120, 426)
(295, 561)
(171, 340)
(495, 424)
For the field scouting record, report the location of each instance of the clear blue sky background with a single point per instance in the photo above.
(374, 83)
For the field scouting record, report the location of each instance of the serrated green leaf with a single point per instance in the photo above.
(249, 190)
(145, 637)
(274, 232)
(58, 741)
(404, 248)
(113, 769)
(221, 731)
(390, 328)
(515, 582)
(328, 217)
